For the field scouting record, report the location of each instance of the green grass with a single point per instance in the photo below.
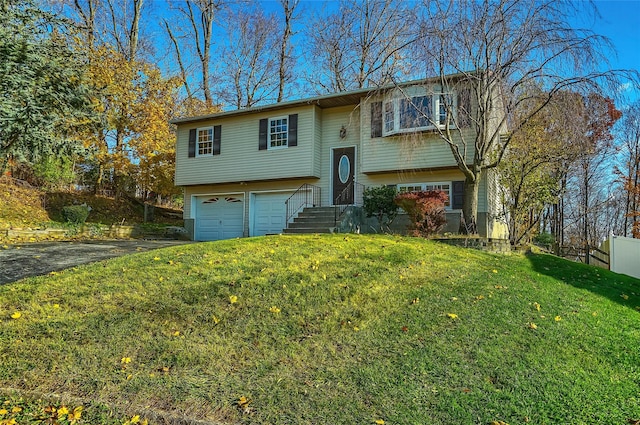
(330, 330)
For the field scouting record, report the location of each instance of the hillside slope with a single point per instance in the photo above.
(330, 329)
(20, 206)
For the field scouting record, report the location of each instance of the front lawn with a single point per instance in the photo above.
(335, 329)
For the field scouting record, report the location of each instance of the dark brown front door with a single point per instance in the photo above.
(343, 164)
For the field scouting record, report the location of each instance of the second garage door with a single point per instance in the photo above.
(269, 213)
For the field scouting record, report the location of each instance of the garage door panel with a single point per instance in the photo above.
(219, 217)
(269, 213)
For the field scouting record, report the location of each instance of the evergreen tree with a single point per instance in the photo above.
(44, 98)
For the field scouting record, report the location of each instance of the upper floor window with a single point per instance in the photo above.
(205, 141)
(278, 132)
(418, 113)
(389, 117)
(415, 112)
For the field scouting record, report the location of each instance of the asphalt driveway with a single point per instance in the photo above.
(26, 260)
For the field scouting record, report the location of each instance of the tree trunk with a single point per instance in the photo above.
(470, 206)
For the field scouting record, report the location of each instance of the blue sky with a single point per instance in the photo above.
(620, 22)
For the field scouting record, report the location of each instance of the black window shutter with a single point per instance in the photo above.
(217, 129)
(376, 119)
(457, 195)
(464, 108)
(192, 143)
(262, 137)
(292, 138)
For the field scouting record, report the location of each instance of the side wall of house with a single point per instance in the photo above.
(496, 221)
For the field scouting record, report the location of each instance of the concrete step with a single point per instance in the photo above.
(316, 210)
(307, 230)
(314, 219)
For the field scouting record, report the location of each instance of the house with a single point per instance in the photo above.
(251, 171)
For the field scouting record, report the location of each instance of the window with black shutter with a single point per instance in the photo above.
(376, 119)
(217, 130)
(457, 195)
(278, 132)
(192, 142)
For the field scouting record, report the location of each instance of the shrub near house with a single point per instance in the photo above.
(425, 210)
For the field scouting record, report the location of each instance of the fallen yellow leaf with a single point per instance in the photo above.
(533, 326)
(16, 315)
(274, 309)
(452, 315)
(233, 299)
(557, 318)
(380, 421)
(243, 401)
(536, 306)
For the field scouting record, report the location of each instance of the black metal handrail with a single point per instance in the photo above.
(307, 195)
(341, 203)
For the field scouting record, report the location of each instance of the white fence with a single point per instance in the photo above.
(624, 255)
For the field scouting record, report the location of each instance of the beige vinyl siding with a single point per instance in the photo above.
(410, 151)
(240, 159)
(333, 119)
(317, 149)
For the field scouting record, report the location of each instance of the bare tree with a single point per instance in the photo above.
(360, 45)
(590, 174)
(249, 63)
(183, 71)
(115, 22)
(629, 170)
(498, 50)
(86, 11)
(286, 60)
(193, 27)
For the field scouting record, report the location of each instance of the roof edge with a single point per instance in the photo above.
(317, 100)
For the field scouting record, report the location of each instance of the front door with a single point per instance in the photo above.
(343, 163)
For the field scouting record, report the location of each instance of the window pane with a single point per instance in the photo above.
(278, 132)
(388, 117)
(205, 141)
(415, 112)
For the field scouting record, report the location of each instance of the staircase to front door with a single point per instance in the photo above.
(313, 220)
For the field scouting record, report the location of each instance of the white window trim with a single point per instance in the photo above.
(269, 120)
(423, 186)
(198, 130)
(434, 118)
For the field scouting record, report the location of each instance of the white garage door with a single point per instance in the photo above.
(269, 213)
(219, 217)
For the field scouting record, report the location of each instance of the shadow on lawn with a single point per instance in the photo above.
(619, 288)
